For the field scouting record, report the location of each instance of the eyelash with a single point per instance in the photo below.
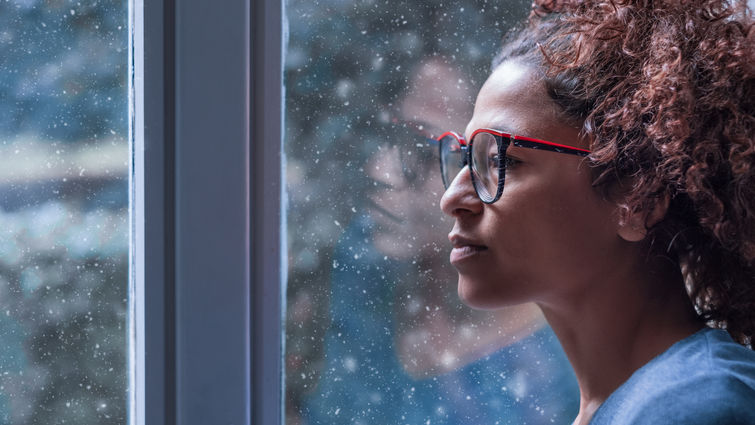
(511, 162)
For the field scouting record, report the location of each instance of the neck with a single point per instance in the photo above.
(626, 319)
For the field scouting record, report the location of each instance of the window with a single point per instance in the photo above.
(365, 82)
(80, 81)
(375, 332)
(353, 254)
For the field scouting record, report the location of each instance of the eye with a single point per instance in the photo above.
(493, 161)
(511, 162)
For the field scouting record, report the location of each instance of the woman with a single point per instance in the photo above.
(625, 205)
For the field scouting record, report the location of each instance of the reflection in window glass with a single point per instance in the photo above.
(63, 211)
(375, 332)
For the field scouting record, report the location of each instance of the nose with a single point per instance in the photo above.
(460, 198)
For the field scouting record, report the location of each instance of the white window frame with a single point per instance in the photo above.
(208, 229)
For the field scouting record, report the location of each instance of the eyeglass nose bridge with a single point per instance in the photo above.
(464, 160)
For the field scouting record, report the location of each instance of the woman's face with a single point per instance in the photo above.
(550, 235)
(409, 224)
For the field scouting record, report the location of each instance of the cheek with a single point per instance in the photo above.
(582, 229)
(424, 219)
(423, 229)
(549, 236)
(504, 277)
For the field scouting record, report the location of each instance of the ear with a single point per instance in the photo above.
(633, 226)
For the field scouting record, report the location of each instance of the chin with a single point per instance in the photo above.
(485, 295)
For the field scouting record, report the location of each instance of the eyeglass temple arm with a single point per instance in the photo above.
(528, 142)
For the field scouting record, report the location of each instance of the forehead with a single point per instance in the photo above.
(437, 95)
(514, 99)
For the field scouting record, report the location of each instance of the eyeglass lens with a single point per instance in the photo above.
(451, 159)
(486, 163)
(485, 166)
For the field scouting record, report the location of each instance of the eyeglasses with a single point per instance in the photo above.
(486, 155)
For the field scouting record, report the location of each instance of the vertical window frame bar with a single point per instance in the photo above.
(152, 209)
(212, 211)
(268, 261)
(168, 346)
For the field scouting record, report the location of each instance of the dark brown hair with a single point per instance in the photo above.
(666, 94)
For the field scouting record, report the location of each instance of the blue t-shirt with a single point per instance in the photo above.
(704, 379)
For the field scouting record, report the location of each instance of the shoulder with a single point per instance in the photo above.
(704, 379)
(718, 398)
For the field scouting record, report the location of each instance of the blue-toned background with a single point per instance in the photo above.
(63, 211)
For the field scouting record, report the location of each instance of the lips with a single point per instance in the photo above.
(464, 248)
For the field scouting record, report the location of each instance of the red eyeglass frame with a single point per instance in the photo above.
(503, 140)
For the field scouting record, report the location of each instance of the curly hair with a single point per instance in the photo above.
(665, 92)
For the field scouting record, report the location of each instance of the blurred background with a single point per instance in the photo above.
(63, 211)
(375, 333)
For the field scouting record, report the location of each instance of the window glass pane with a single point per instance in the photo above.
(375, 332)
(64, 157)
